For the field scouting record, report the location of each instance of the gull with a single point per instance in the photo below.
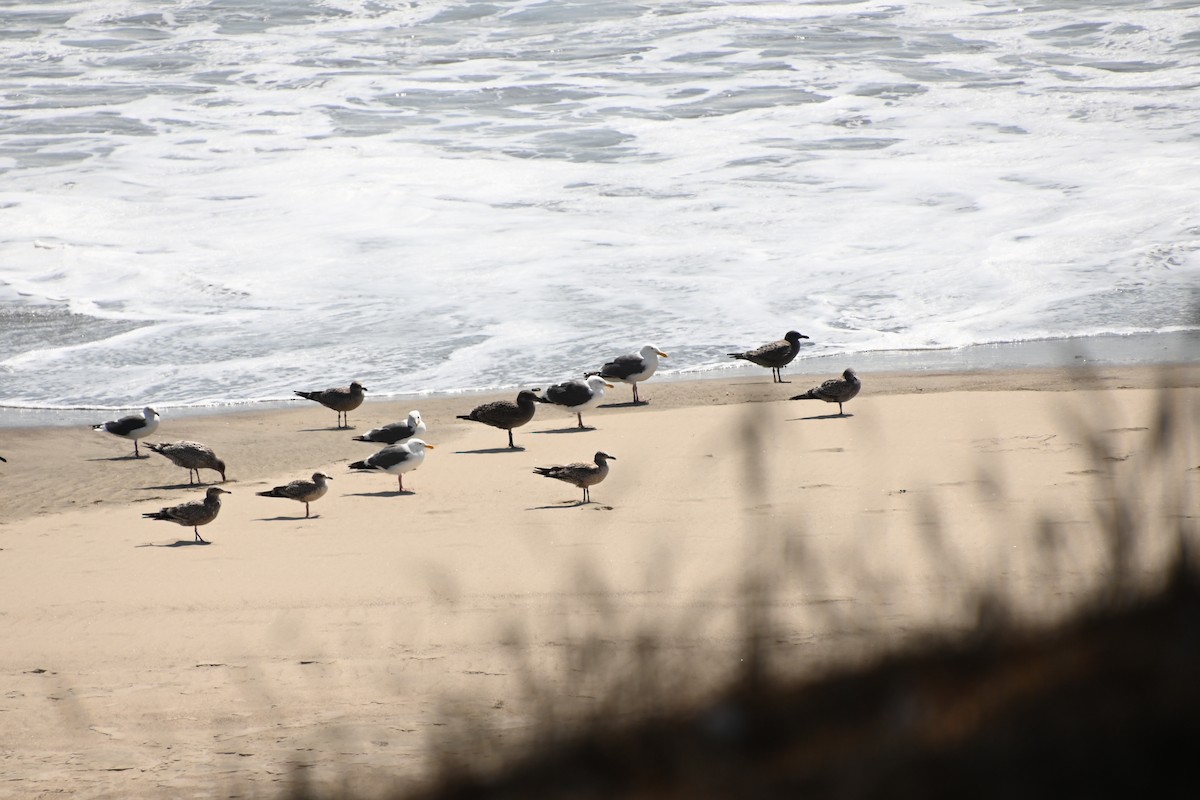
(396, 459)
(506, 414)
(577, 395)
(775, 355)
(132, 427)
(631, 368)
(580, 474)
(343, 400)
(835, 390)
(192, 456)
(193, 513)
(396, 432)
(302, 491)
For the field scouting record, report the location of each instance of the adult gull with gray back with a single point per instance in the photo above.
(395, 459)
(582, 475)
(395, 432)
(301, 491)
(577, 396)
(631, 368)
(192, 456)
(506, 414)
(132, 427)
(194, 513)
(835, 390)
(774, 355)
(342, 399)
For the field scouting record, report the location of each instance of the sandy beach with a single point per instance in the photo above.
(140, 664)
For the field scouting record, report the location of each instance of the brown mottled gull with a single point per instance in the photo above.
(580, 474)
(775, 355)
(506, 414)
(343, 400)
(132, 427)
(192, 456)
(194, 513)
(302, 491)
(835, 390)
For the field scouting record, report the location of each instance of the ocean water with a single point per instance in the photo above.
(207, 202)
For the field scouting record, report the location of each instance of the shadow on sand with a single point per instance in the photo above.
(176, 543)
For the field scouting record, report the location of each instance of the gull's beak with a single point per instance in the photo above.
(661, 353)
(428, 446)
(609, 385)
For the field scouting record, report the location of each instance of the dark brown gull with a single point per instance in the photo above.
(506, 414)
(775, 355)
(835, 390)
(395, 432)
(301, 491)
(580, 474)
(192, 456)
(396, 459)
(132, 427)
(631, 368)
(577, 396)
(193, 513)
(342, 399)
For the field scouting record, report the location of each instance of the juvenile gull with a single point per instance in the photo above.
(396, 459)
(396, 432)
(506, 414)
(132, 427)
(631, 368)
(193, 513)
(192, 456)
(835, 390)
(343, 400)
(580, 474)
(302, 491)
(577, 395)
(775, 355)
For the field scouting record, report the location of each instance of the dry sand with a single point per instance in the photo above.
(138, 664)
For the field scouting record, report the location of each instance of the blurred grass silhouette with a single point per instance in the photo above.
(1097, 698)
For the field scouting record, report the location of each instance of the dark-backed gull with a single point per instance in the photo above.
(578, 395)
(396, 459)
(631, 368)
(132, 427)
(395, 432)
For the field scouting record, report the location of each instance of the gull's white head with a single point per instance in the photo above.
(597, 384)
(651, 352)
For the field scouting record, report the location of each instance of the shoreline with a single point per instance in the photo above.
(347, 641)
(1154, 350)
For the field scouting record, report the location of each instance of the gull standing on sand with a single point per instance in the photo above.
(835, 390)
(631, 368)
(192, 456)
(775, 355)
(395, 432)
(132, 427)
(396, 459)
(577, 395)
(194, 513)
(302, 491)
(580, 474)
(506, 414)
(343, 400)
